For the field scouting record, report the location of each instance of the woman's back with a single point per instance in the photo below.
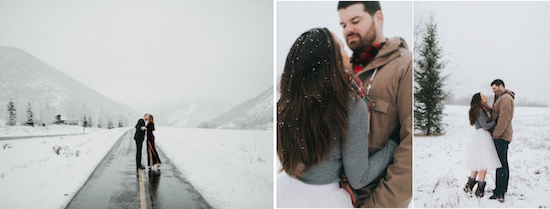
(351, 154)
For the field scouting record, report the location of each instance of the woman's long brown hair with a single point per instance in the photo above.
(152, 121)
(475, 105)
(312, 112)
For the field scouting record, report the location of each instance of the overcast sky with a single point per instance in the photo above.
(294, 18)
(488, 40)
(150, 54)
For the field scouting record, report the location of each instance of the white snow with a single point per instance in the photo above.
(230, 168)
(191, 114)
(8, 131)
(439, 175)
(32, 175)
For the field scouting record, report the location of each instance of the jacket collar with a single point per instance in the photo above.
(387, 53)
(506, 91)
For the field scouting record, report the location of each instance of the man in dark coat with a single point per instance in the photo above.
(139, 136)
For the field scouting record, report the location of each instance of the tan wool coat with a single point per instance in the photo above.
(503, 110)
(390, 116)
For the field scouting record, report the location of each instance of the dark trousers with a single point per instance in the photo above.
(139, 146)
(503, 172)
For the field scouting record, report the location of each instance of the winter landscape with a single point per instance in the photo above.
(230, 168)
(73, 84)
(75, 127)
(439, 175)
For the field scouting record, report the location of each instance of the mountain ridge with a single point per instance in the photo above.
(25, 79)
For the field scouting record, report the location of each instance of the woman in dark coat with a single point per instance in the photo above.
(152, 154)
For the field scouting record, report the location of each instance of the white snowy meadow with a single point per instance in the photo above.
(19, 131)
(439, 175)
(32, 175)
(230, 168)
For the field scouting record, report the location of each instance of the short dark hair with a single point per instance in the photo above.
(498, 82)
(370, 6)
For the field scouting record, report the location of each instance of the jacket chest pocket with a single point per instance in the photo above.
(379, 105)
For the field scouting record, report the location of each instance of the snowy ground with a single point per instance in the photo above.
(439, 175)
(8, 131)
(32, 175)
(230, 168)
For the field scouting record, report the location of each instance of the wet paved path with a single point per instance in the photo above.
(115, 183)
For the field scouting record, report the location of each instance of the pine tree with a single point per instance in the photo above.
(12, 121)
(85, 122)
(110, 124)
(90, 123)
(428, 90)
(30, 116)
(120, 124)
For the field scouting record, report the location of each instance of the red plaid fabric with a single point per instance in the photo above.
(356, 85)
(360, 62)
(487, 110)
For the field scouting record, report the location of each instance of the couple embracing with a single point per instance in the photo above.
(339, 144)
(146, 125)
(488, 148)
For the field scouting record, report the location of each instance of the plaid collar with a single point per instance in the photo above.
(360, 62)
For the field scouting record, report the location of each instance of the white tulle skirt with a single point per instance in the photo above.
(482, 154)
(292, 193)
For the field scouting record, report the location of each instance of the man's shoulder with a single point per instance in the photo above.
(507, 97)
(403, 49)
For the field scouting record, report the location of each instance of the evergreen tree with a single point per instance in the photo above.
(90, 123)
(110, 124)
(120, 124)
(12, 121)
(30, 116)
(85, 122)
(428, 90)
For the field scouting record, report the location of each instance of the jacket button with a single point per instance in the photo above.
(373, 104)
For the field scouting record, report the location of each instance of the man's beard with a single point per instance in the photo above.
(497, 93)
(363, 42)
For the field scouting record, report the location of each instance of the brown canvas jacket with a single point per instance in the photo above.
(503, 110)
(391, 116)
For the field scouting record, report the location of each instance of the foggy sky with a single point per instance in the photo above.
(150, 54)
(484, 41)
(294, 18)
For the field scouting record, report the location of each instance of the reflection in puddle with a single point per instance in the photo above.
(154, 178)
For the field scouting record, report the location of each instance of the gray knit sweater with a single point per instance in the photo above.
(482, 121)
(352, 154)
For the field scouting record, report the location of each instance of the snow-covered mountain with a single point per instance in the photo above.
(255, 113)
(25, 79)
(191, 114)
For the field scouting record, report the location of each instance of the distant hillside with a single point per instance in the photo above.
(255, 113)
(191, 114)
(24, 78)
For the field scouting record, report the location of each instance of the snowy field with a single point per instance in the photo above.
(33, 175)
(230, 168)
(9, 131)
(439, 175)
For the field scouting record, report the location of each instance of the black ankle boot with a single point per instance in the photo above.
(480, 191)
(469, 185)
